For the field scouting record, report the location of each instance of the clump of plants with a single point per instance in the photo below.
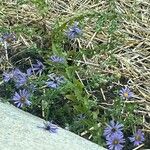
(53, 70)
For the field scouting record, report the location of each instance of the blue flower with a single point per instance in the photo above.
(126, 93)
(54, 81)
(137, 138)
(8, 37)
(29, 72)
(21, 98)
(113, 128)
(52, 128)
(36, 68)
(57, 59)
(20, 78)
(17, 76)
(74, 31)
(115, 142)
(80, 117)
(8, 76)
(32, 88)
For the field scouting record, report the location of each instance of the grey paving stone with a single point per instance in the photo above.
(19, 131)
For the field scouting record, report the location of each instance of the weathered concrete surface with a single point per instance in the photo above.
(19, 131)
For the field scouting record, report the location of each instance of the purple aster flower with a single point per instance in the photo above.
(29, 72)
(20, 78)
(52, 128)
(81, 117)
(137, 138)
(115, 142)
(74, 31)
(126, 93)
(57, 59)
(113, 128)
(54, 81)
(21, 98)
(32, 87)
(37, 68)
(8, 37)
(8, 76)
(20, 82)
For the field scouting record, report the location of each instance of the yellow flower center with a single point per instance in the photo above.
(115, 142)
(138, 138)
(126, 94)
(23, 99)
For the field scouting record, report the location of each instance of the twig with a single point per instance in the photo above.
(81, 82)
(87, 63)
(5, 47)
(103, 94)
(138, 147)
(92, 128)
(91, 39)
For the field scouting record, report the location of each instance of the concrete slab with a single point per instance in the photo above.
(19, 131)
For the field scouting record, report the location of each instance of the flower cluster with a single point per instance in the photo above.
(54, 81)
(22, 96)
(115, 138)
(20, 79)
(36, 68)
(17, 76)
